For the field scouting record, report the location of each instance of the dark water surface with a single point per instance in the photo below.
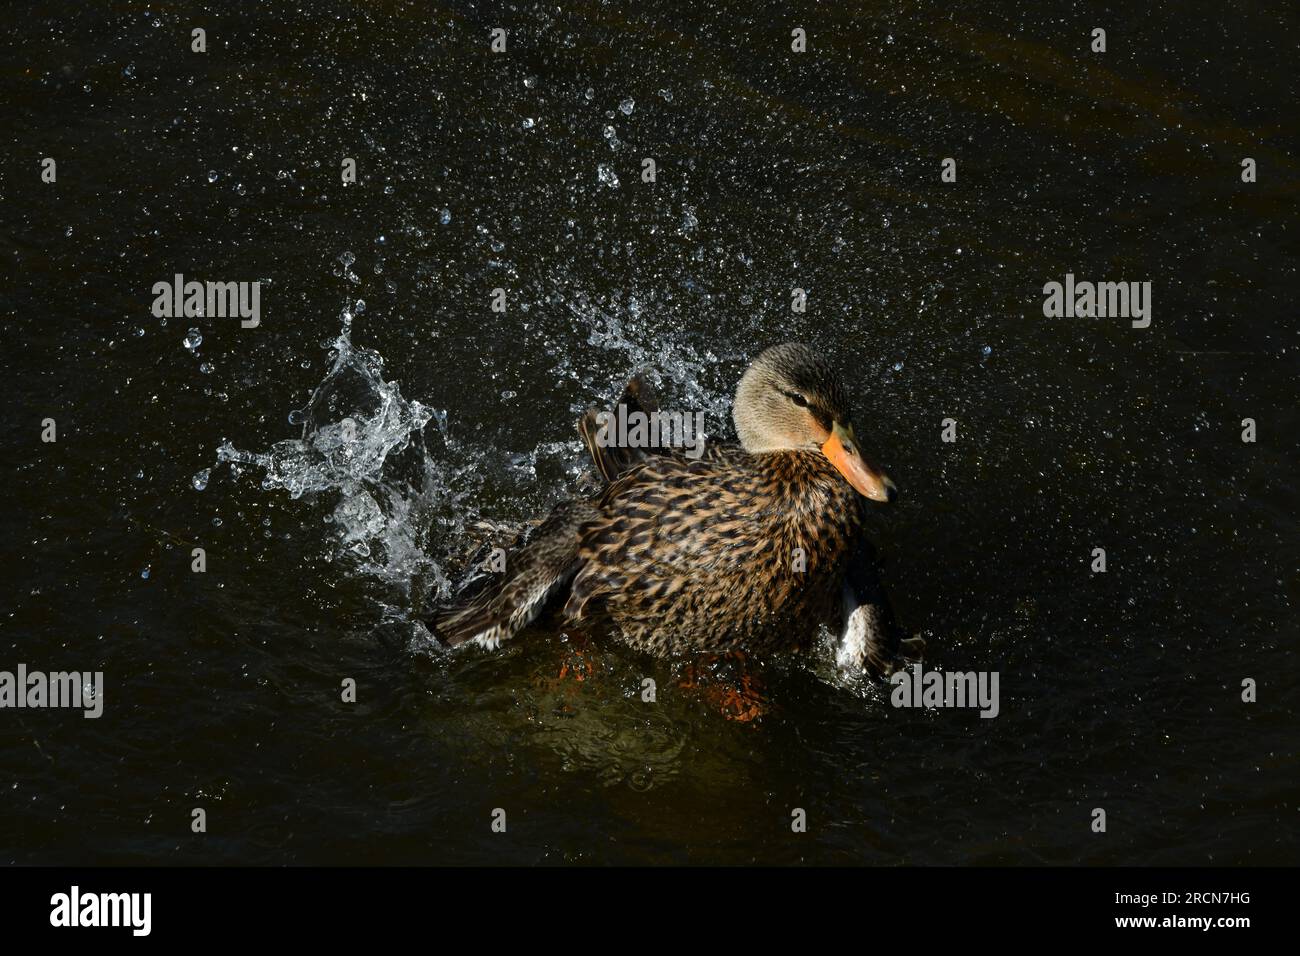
(775, 170)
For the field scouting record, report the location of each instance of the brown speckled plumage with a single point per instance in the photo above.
(701, 555)
(749, 547)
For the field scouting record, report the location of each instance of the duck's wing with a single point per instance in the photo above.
(536, 569)
(870, 639)
(613, 460)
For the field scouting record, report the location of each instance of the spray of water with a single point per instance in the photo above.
(362, 448)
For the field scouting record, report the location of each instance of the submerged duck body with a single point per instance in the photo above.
(750, 546)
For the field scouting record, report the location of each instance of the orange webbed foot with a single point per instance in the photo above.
(739, 696)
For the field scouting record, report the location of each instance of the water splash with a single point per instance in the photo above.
(397, 514)
(635, 337)
(362, 448)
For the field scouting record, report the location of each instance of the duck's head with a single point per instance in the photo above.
(790, 398)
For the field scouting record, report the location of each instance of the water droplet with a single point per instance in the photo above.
(193, 339)
(627, 106)
(212, 175)
(444, 217)
(145, 573)
(200, 481)
(605, 173)
(530, 82)
(528, 122)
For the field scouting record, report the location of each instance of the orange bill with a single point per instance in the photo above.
(842, 449)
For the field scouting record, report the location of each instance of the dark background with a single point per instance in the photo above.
(776, 170)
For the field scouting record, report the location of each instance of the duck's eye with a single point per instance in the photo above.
(798, 399)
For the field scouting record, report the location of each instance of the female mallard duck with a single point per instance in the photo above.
(745, 547)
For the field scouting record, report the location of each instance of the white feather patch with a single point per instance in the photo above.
(861, 625)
